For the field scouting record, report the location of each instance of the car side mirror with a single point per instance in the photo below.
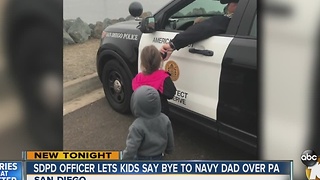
(148, 25)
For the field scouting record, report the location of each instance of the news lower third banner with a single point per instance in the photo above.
(90, 170)
(91, 165)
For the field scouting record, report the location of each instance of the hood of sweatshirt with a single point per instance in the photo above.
(145, 102)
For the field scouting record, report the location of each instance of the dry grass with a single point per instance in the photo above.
(79, 59)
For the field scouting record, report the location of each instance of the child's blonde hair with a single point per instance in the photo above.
(150, 59)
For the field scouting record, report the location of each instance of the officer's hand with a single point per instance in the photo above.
(166, 49)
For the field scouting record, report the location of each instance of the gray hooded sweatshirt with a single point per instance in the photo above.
(151, 132)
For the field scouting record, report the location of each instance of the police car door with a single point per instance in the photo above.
(195, 69)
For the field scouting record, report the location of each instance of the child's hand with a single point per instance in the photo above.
(166, 49)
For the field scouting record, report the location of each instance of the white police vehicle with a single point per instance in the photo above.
(217, 90)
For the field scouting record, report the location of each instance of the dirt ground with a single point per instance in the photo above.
(79, 59)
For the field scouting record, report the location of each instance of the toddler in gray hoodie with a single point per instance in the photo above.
(150, 135)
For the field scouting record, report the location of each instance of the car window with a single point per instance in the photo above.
(201, 8)
(253, 31)
(185, 17)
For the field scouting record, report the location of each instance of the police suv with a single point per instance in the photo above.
(216, 79)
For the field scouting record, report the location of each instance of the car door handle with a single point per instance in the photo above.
(199, 51)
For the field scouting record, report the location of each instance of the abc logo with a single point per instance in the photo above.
(309, 157)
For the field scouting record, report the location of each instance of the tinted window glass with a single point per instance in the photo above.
(201, 8)
(253, 31)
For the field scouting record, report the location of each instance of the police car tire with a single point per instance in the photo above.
(114, 71)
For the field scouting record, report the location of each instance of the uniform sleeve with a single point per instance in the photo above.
(170, 144)
(200, 31)
(169, 89)
(133, 142)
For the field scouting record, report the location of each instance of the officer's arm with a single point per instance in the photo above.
(200, 31)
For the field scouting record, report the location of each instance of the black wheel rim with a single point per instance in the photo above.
(115, 87)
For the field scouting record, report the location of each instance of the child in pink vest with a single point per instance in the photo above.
(153, 76)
